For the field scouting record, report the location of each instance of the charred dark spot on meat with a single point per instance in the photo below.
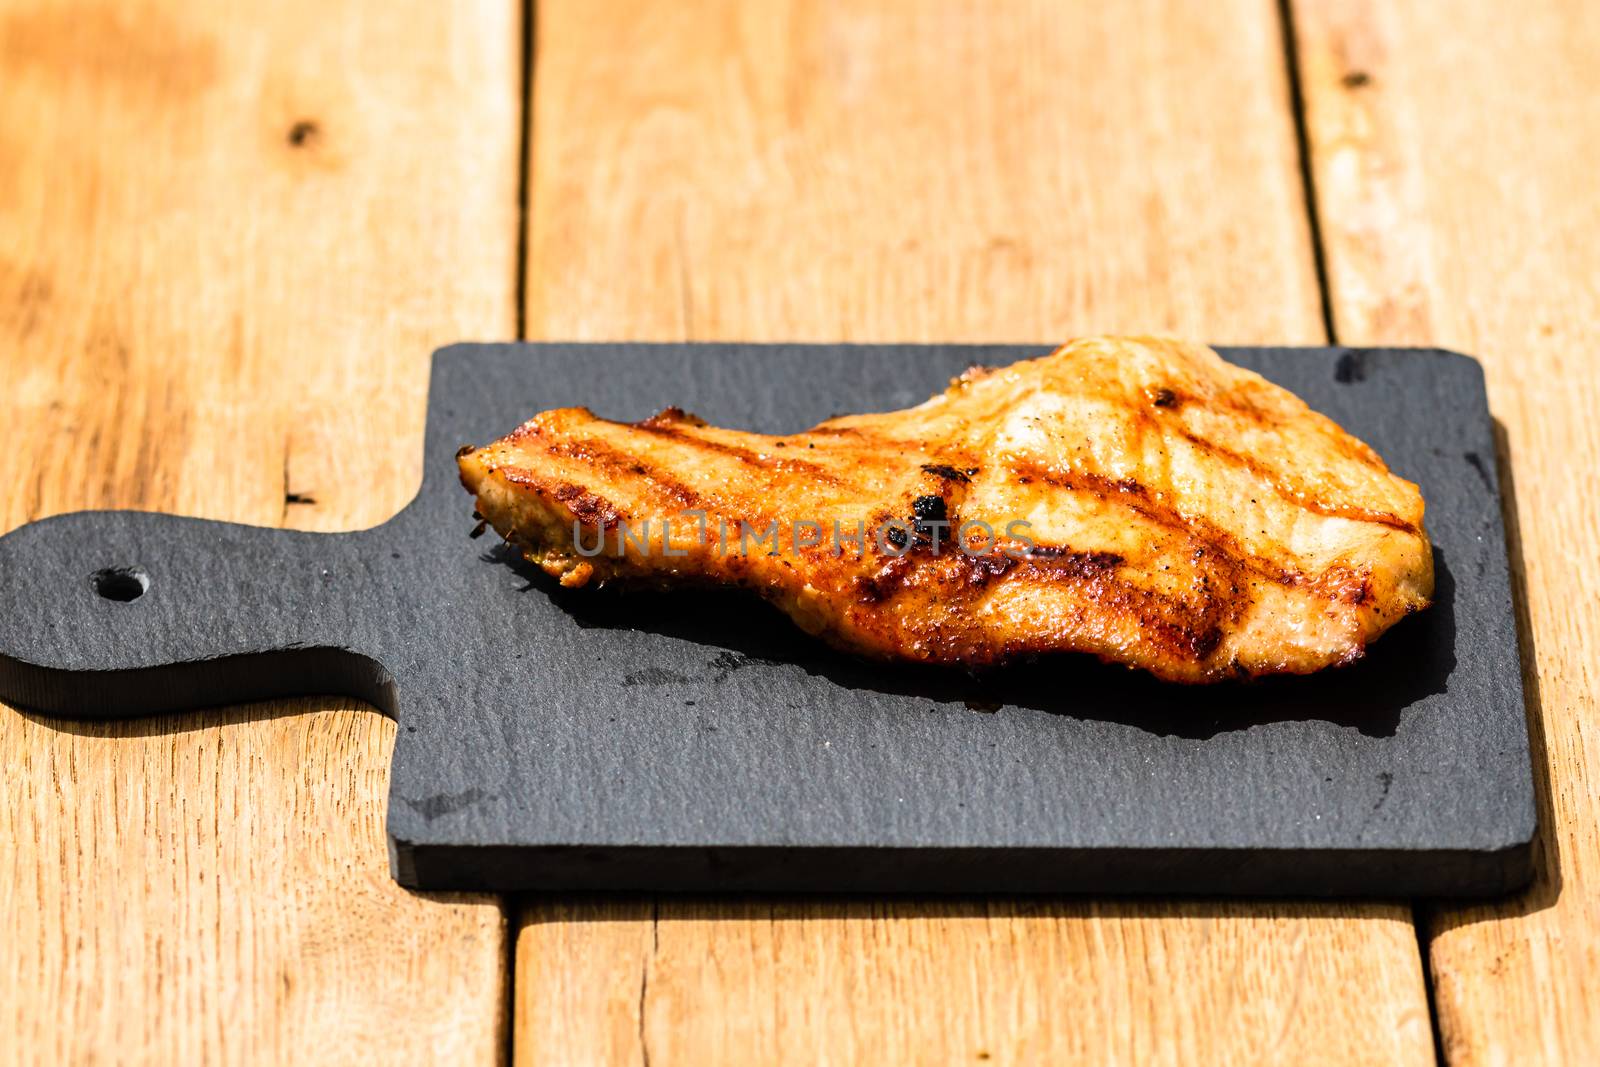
(1075, 563)
(948, 473)
(930, 517)
(1164, 398)
(981, 570)
(1346, 585)
(1205, 642)
(587, 507)
(1060, 562)
(870, 589)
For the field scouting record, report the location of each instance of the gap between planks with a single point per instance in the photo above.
(1308, 180)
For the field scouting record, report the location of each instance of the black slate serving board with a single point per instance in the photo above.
(689, 741)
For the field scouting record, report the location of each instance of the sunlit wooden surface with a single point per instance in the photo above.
(1455, 149)
(228, 241)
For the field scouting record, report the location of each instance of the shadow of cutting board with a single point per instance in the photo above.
(595, 740)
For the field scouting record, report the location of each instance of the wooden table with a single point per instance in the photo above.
(230, 238)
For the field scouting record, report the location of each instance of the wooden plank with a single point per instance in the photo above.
(910, 171)
(228, 240)
(1455, 148)
(915, 171)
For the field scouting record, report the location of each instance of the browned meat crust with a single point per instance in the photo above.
(1144, 501)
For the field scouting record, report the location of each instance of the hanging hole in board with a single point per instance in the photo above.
(120, 583)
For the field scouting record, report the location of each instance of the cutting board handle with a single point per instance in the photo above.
(116, 613)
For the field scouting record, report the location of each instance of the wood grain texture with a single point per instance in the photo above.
(933, 171)
(915, 172)
(229, 239)
(1455, 149)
